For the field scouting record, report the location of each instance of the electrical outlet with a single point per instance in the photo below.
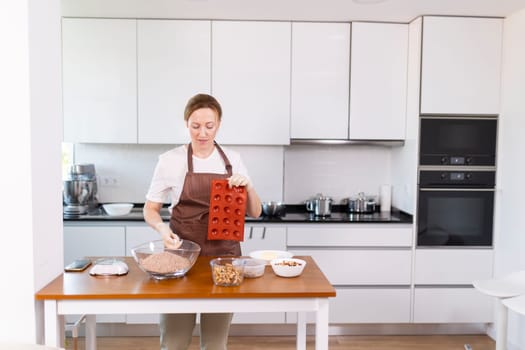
(108, 181)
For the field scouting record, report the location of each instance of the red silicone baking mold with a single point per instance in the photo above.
(227, 211)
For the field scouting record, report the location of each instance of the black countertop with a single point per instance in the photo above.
(295, 213)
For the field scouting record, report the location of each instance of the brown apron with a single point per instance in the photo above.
(189, 218)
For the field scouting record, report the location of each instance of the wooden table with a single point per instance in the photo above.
(136, 293)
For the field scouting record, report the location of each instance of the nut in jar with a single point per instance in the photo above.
(227, 272)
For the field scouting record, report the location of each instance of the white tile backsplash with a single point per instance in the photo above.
(290, 173)
(338, 171)
(132, 166)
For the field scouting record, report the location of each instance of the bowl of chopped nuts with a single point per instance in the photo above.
(288, 267)
(160, 262)
(227, 271)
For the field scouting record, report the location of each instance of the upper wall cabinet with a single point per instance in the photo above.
(320, 80)
(378, 81)
(461, 65)
(174, 63)
(251, 80)
(99, 80)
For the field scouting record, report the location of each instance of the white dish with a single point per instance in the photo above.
(288, 267)
(270, 255)
(109, 267)
(117, 209)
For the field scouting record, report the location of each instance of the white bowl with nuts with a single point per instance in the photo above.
(288, 267)
(227, 272)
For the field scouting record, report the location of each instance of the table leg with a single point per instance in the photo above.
(321, 326)
(501, 326)
(91, 332)
(301, 331)
(51, 324)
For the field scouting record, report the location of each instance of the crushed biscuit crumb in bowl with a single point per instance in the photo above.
(160, 262)
(227, 271)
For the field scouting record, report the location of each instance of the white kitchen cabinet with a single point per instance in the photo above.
(362, 266)
(370, 266)
(452, 305)
(378, 81)
(461, 65)
(251, 80)
(94, 241)
(257, 237)
(366, 305)
(99, 60)
(354, 235)
(174, 63)
(443, 285)
(320, 80)
(452, 266)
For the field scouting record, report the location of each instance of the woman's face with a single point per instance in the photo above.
(203, 125)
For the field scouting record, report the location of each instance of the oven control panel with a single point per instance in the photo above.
(441, 178)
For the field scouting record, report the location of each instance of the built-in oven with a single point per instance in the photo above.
(455, 207)
(458, 141)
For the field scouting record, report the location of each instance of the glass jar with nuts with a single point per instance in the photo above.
(227, 271)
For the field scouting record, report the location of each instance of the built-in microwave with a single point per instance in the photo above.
(458, 141)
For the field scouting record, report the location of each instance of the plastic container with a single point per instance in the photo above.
(254, 268)
(227, 212)
(227, 272)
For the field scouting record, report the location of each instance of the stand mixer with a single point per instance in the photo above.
(80, 190)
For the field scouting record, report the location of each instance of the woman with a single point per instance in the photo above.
(185, 173)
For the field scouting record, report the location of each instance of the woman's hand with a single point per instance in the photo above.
(170, 239)
(239, 180)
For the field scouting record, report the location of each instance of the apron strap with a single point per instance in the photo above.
(227, 163)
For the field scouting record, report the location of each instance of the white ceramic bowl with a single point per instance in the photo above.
(270, 255)
(288, 267)
(254, 268)
(117, 209)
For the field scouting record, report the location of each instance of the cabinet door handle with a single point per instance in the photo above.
(251, 233)
(264, 232)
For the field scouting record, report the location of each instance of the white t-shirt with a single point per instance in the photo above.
(172, 166)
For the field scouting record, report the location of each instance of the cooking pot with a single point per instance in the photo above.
(362, 204)
(319, 205)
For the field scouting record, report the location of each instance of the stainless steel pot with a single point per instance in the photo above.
(362, 204)
(320, 205)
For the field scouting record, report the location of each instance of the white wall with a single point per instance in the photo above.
(510, 229)
(30, 136)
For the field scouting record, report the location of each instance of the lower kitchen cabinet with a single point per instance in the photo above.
(366, 305)
(452, 305)
(369, 265)
(443, 290)
(80, 241)
(452, 266)
(260, 237)
(362, 266)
